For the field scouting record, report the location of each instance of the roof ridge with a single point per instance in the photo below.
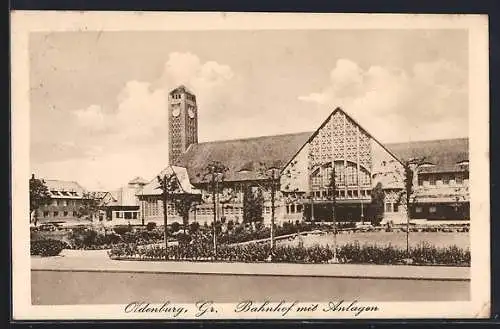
(429, 140)
(252, 138)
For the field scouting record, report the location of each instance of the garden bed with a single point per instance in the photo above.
(254, 253)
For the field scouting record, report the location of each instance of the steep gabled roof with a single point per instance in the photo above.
(152, 188)
(239, 155)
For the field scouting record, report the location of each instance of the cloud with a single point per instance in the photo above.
(92, 118)
(428, 102)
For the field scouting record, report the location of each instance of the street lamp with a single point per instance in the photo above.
(334, 202)
(215, 198)
(274, 177)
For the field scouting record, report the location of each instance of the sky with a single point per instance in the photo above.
(98, 111)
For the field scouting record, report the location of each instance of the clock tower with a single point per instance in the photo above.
(182, 122)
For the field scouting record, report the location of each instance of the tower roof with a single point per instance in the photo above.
(183, 89)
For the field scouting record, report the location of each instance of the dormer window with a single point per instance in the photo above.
(427, 165)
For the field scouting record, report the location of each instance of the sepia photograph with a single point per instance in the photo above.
(239, 165)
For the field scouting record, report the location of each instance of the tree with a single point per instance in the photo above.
(39, 195)
(253, 204)
(410, 168)
(168, 184)
(213, 175)
(184, 204)
(89, 206)
(377, 204)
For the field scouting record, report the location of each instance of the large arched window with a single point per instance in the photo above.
(344, 175)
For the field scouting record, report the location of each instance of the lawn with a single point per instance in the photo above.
(396, 239)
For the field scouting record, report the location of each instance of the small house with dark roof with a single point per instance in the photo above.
(337, 164)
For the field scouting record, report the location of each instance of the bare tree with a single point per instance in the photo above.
(168, 184)
(213, 175)
(272, 179)
(410, 168)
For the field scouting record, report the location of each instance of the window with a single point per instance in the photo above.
(459, 179)
(446, 179)
(128, 215)
(118, 214)
(420, 180)
(65, 214)
(56, 213)
(418, 210)
(432, 180)
(351, 175)
(355, 194)
(388, 207)
(65, 203)
(349, 194)
(75, 214)
(396, 207)
(45, 214)
(299, 208)
(134, 215)
(432, 209)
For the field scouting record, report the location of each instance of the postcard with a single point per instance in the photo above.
(249, 166)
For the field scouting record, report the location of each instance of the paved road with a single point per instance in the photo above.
(69, 287)
(91, 278)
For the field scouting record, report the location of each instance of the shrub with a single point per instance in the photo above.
(200, 248)
(150, 226)
(183, 239)
(47, 247)
(194, 227)
(122, 229)
(174, 227)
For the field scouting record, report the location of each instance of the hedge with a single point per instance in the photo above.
(47, 247)
(350, 253)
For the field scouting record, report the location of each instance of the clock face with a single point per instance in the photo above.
(176, 111)
(191, 112)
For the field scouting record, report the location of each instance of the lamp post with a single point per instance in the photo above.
(142, 206)
(334, 203)
(274, 183)
(164, 186)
